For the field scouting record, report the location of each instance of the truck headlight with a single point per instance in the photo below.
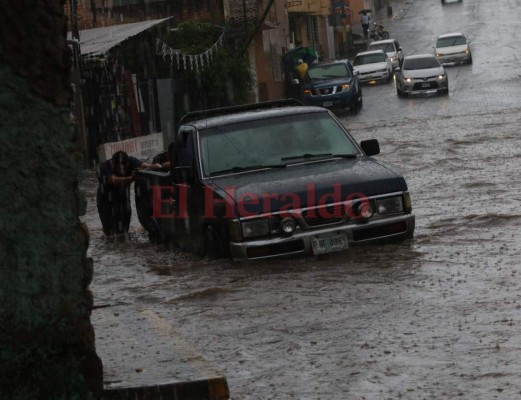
(288, 226)
(255, 227)
(390, 205)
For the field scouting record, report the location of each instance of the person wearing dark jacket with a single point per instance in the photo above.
(113, 197)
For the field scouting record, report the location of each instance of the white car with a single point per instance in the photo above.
(421, 73)
(373, 66)
(453, 48)
(391, 47)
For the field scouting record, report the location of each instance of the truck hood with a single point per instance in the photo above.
(326, 83)
(309, 184)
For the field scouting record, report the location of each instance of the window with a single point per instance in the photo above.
(268, 141)
(451, 41)
(329, 71)
(370, 59)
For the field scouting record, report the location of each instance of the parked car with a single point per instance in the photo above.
(421, 73)
(334, 85)
(272, 179)
(373, 66)
(391, 47)
(453, 48)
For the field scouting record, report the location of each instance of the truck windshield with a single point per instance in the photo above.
(272, 142)
(329, 71)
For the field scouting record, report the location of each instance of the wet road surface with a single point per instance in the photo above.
(436, 317)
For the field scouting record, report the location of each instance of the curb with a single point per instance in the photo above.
(144, 358)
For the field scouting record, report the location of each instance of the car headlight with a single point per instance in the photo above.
(390, 205)
(407, 79)
(393, 58)
(345, 87)
(438, 55)
(255, 227)
(441, 76)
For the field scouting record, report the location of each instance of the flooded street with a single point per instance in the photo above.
(436, 317)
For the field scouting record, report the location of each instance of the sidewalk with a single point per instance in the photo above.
(144, 358)
(398, 8)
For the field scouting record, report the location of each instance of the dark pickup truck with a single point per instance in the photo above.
(271, 179)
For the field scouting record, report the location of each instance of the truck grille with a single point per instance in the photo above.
(326, 91)
(325, 215)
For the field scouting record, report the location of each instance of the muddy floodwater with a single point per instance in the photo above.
(436, 317)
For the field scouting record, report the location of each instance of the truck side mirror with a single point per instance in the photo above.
(370, 147)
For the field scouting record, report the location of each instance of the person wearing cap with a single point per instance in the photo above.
(302, 69)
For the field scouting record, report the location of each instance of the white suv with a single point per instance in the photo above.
(391, 47)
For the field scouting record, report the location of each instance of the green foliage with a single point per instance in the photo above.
(225, 81)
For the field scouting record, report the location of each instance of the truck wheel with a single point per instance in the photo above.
(212, 244)
(357, 105)
(154, 233)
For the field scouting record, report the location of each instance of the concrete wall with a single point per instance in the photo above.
(268, 48)
(46, 338)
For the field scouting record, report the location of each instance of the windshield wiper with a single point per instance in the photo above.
(323, 155)
(345, 155)
(249, 168)
(306, 156)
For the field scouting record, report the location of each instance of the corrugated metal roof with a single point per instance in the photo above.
(99, 41)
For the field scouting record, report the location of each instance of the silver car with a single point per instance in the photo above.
(373, 66)
(421, 73)
(453, 48)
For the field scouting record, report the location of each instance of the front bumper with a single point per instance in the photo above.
(420, 86)
(337, 100)
(380, 230)
(374, 76)
(454, 58)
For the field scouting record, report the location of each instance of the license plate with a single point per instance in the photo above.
(328, 104)
(426, 85)
(323, 244)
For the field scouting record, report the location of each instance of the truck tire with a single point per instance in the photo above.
(155, 235)
(213, 247)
